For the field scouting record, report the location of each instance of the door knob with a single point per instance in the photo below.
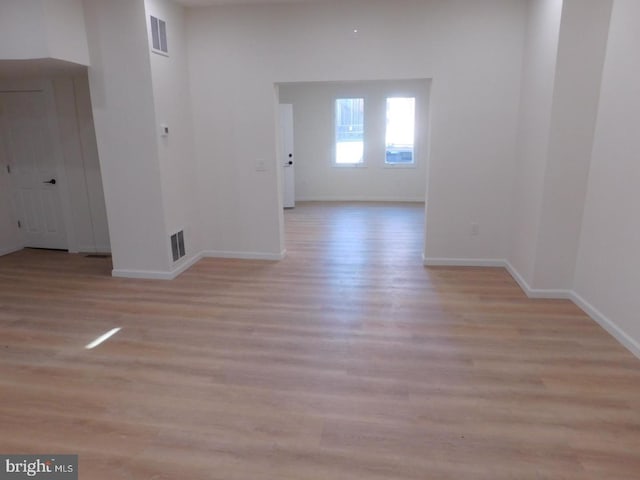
(52, 181)
(290, 162)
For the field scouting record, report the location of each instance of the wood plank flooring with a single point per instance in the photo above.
(348, 360)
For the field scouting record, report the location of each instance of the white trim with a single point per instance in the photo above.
(159, 52)
(7, 251)
(244, 255)
(185, 265)
(158, 275)
(535, 292)
(170, 275)
(363, 199)
(461, 262)
(616, 332)
(400, 165)
(142, 274)
(63, 189)
(93, 249)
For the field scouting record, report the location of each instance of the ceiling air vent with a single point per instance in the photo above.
(159, 35)
(177, 245)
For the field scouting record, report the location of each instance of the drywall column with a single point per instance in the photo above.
(171, 93)
(583, 38)
(123, 109)
(607, 278)
(538, 74)
(561, 86)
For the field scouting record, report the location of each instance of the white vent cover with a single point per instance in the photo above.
(159, 35)
(177, 245)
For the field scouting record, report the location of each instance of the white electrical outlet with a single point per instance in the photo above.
(475, 229)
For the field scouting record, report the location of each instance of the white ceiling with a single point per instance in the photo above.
(200, 3)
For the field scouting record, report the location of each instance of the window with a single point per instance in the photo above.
(159, 35)
(401, 114)
(349, 131)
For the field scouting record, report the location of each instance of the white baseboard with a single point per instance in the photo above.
(244, 255)
(141, 274)
(616, 332)
(7, 251)
(461, 262)
(185, 265)
(170, 275)
(157, 275)
(363, 199)
(535, 292)
(92, 249)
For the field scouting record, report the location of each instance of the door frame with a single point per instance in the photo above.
(287, 170)
(45, 85)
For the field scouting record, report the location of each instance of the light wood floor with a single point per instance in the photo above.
(347, 360)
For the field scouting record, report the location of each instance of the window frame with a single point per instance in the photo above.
(414, 163)
(334, 162)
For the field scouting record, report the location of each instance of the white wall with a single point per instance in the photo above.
(21, 30)
(31, 29)
(125, 123)
(65, 28)
(317, 178)
(471, 49)
(538, 75)
(173, 107)
(608, 266)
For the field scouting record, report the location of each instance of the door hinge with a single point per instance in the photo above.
(8, 168)
(19, 224)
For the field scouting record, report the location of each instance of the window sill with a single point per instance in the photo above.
(349, 165)
(400, 165)
(159, 52)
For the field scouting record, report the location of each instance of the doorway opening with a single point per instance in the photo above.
(361, 155)
(51, 193)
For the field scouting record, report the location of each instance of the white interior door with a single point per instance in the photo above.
(288, 169)
(32, 169)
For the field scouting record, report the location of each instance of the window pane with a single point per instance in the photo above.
(163, 36)
(154, 33)
(401, 114)
(349, 131)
